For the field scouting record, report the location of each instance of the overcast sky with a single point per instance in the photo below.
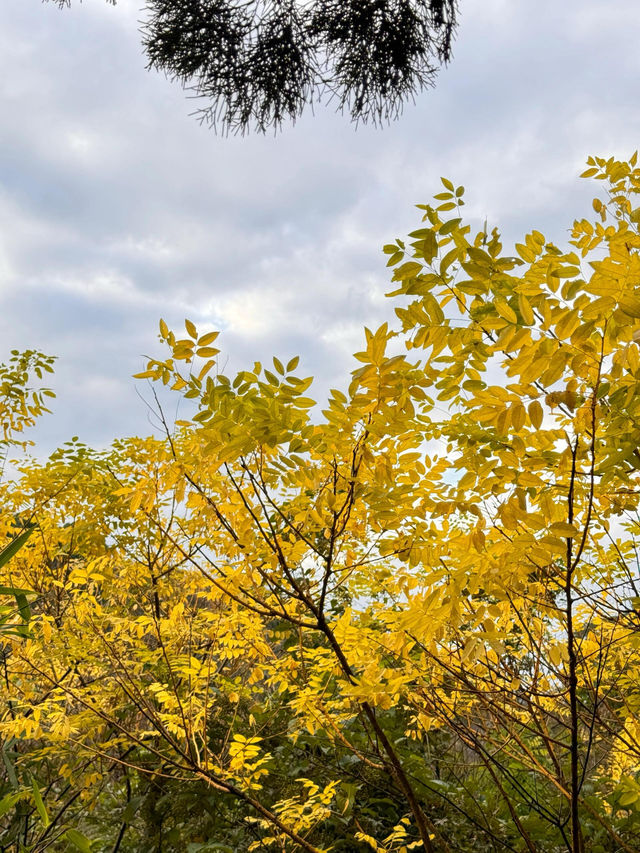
(118, 208)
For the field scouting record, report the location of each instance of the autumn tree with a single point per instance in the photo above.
(409, 621)
(255, 65)
(21, 403)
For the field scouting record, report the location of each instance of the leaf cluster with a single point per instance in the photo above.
(411, 620)
(258, 64)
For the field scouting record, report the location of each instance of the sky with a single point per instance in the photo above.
(117, 207)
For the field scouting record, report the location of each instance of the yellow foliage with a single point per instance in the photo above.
(451, 541)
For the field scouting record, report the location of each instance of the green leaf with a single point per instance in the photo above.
(15, 591)
(39, 804)
(629, 798)
(25, 614)
(19, 594)
(79, 840)
(13, 547)
(11, 771)
(132, 809)
(23, 606)
(9, 801)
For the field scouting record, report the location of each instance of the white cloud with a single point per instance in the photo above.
(117, 208)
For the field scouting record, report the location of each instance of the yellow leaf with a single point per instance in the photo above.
(46, 631)
(208, 338)
(561, 528)
(568, 324)
(505, 310)
(556, 654)
(478, 539)
(518, 416)
(526, 310)
(525, 253)
(631, 305)
(535, 414)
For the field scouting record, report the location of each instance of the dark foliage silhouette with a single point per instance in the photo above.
(258, 63)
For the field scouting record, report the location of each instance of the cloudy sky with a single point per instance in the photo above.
(117, 207)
